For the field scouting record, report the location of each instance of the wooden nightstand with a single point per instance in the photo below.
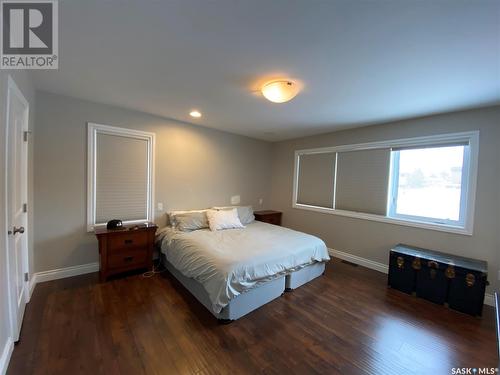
(268, 216)
(126, 249)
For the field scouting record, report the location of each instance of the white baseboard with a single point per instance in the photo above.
(380, 267)
(61, 273)
(6, 354)
(489, 299)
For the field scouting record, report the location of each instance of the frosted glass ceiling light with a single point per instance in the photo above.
(194, 113)
(280, 91)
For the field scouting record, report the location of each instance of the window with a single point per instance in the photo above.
(362, 181)
(427, 182)
(120, 175)
(317, 179)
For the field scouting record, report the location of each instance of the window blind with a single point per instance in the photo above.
(316, 179)
(432, 145)
(121, 178)
(363, 180)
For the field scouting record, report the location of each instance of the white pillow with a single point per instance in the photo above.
(245, 213)
(223, 219)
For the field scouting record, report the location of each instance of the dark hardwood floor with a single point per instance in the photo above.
(346, 322)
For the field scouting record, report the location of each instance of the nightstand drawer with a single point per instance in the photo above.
(125, 249)
(130, 258)
(272, 219)
(127, 241)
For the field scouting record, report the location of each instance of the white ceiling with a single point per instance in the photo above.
(361, 62)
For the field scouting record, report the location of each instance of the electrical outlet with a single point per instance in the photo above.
(160, 206)
(261, 201)
(235, 199)
(498, 275)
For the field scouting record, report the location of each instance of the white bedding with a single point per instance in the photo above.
(229, 262)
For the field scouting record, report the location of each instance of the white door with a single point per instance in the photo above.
(17, 198)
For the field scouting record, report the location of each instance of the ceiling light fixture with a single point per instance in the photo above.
(195, 113)
(280, 91)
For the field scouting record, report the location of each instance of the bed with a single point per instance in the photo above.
(233, 272)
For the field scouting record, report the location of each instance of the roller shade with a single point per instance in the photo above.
(121, 178)
(363, 181)
(433, 145)
(316, 179)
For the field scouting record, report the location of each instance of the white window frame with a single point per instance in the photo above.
(93, 130)
(468, 191)
(393, 194)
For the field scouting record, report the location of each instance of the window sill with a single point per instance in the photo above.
(388, 220)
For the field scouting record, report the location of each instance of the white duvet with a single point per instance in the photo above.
(232, 261)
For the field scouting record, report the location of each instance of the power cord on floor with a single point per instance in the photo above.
(159, 268)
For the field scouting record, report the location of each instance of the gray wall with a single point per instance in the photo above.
(198, 167)
(23, 81)
(195, 168)
(372, 240)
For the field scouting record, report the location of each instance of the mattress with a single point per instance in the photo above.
(230, 262)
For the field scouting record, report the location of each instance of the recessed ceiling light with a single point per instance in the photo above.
(280, 91)
(195, 113)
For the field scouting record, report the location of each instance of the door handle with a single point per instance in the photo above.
(19, 230)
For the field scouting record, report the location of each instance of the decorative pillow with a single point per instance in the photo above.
(172, 214)
(245, 213)
(223, 219)
(190, 221)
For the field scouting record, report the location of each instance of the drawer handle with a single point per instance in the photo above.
(401, 262)
(450, 272)
(470, 280)
(129, 242)
(128, 259)
(433, 264)
(416, 264)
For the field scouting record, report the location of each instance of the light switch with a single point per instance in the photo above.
(235, 199)
(160, 206)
